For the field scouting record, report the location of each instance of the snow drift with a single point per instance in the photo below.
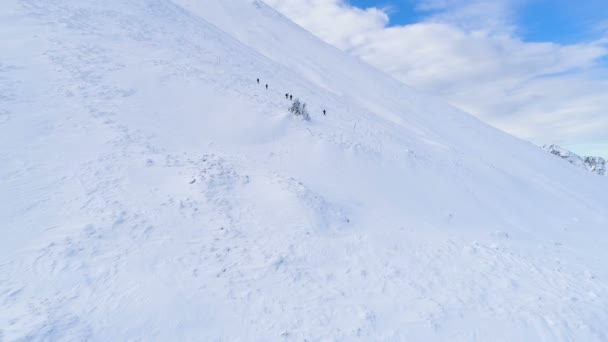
(152, 190)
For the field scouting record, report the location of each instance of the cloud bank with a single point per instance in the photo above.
(470, 53)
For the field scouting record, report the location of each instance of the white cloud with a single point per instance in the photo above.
(333, 20)
(468, 52)
(483, 15)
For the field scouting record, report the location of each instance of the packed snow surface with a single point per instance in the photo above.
(151, 189)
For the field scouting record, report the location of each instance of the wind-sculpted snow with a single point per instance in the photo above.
(151, 189)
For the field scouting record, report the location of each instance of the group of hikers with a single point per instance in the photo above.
(289, 96)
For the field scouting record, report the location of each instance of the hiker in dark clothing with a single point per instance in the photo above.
(287, 96)
(323, 111)
(291, 97)
(267, 86)
(258, 81)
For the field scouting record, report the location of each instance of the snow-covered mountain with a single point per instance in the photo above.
(593, 164)
(151, 189)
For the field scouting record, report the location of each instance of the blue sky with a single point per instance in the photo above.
(560, 21)
(402, 12)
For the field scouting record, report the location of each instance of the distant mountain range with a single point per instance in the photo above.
(594, 164)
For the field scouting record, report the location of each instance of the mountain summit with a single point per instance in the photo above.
(153, 189)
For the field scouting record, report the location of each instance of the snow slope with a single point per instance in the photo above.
(152, 190)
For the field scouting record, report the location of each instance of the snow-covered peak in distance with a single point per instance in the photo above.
(151, 189)
(594, 164)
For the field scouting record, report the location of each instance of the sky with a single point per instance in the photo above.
(537, 69)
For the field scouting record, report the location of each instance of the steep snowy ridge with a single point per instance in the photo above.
(152, 190)
(593, 164)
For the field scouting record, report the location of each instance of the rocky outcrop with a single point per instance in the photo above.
(594, 164)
